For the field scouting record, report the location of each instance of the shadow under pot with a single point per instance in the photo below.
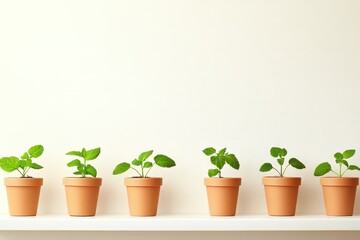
(23, 195)
(222, 195)
(339, 195)
(281, 195)
(143, 195)
(82, 195)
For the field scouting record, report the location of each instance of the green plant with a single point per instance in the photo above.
(219, 159)
(279, 154)
(341, 159)
(24, 163)
(83, 168)
(143, 163)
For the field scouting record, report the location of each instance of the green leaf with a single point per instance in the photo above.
(74, 163)
(92, 154)
(25, 156)
(349, 153)
(213, 172)
(218, 161)
(36, 151)
(23, 164)
(136, 162)
(345, 163)
(209, 151)
(148, 165)
(275, 151)
(83, 152)
(353, 167)
(75, 153)
(164, 161)
(266, 167)
(145, 155)
(322, 169)
(91, 170)
(9, 164)
(283, 152)
(281, 161)
(296, 163)
(81, 168)
(36, 166)
(121, 168)
(338, 156)
(222, 152)
(77, 173)
(232, 161)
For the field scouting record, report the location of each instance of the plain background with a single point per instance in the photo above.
(176, 77)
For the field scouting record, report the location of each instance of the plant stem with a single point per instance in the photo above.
(22, 174)
(285, 169)
(281, 171)
(84, 170)
(277, 171)
(336, 173)
(220, 174)
(142, 169)
(149, 170)
(25, 172)
(136, 171)
(340, 168)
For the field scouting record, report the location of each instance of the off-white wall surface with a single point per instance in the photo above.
(176, 77)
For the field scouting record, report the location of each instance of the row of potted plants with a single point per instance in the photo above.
(143, 191)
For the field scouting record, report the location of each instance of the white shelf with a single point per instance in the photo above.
(180, 223)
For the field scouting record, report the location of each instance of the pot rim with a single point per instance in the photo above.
(222, 182)
(281, 181)
(143, 182)
(82, 182)
(339, 181)
(23, 182)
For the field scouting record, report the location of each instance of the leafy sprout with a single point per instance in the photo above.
(279, 154)
(24, 163)
(83, 168)
(144, 164)
(341, 160)
(219, 160)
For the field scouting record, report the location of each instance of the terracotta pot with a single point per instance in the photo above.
(143, 195)
(82, 195)
(23, 195)
(222, 195)
(339, 195)
(281, 195)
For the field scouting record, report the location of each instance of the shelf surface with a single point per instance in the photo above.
(179, 223)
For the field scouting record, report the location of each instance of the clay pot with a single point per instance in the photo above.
(339, 195)
(82, 195)
(23, 195)
(143, 195)
(281, 195)
(222, 195)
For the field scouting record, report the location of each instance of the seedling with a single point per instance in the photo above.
(279, 154)
(219, 160)
(24, 163)
(144, 164)
(341, 159)
(83, 168)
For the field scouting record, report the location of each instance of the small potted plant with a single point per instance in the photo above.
(143, 191)
(339, 191)
(222, 192)
(82, 192)
(281, 192)
(24, 192)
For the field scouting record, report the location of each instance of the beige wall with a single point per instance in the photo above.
(178, 76)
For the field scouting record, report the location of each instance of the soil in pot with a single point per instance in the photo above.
(82, 195)
(222, 195)
(143, 195)
(23, 195)
(339, 195)
(281, 195)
